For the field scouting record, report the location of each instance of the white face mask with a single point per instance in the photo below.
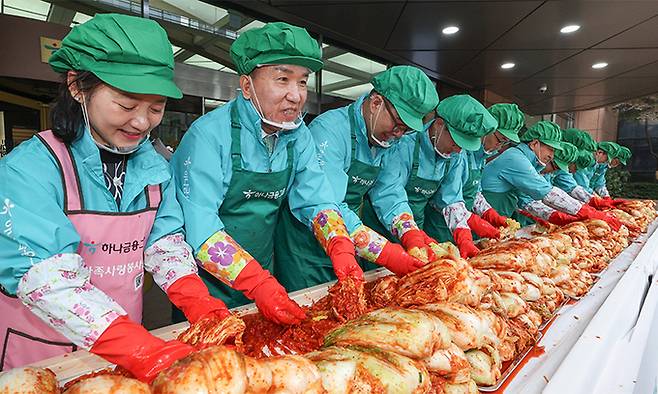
(284, 126)
(382, 144)
(120, 150)
(541, 163)
(436, 149)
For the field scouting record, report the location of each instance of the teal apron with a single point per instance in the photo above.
(419, 191)
(250, 218)
(435, 225)
(300, 261)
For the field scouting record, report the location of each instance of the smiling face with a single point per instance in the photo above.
(278, 91)
(117, 118)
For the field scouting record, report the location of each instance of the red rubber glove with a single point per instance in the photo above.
(191, 296)
(491, 216)
(482, 228)
(341, 252)
(587, 212)
(394, 257)
(600, 203)
(129, 345)
(464, 241)
(561, 218)
(539, 221)
(271, 298)
(418, 239)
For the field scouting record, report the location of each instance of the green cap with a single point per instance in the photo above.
(546, 132)
(565, 156)
(129, 53)
(580, 138)
(624, 154)
(467, 120)
(611, 148)
(275, 43)
(585, 159)
(510, 119)
(410, 91)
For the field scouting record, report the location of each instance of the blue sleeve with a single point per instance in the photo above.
(450, 190)
(199, 178)
(564, 181)
(308, 195)
(524, 200)
(169, 218)
(598, 182)
(525, 178)
(582, 179)
(334, 151)
(388, 194)
(33, 226)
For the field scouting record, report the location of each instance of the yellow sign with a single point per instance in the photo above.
(48, 46)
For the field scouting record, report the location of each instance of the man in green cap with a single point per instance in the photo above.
(605, 158)
(510, 120)
(583, 141)
(237, 165)
(351, 142)
(90, 205)
(516, 171)
(421, 180)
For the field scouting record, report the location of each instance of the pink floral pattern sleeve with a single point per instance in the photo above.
(480, 204)
(456, 216)
(559, 199)
(223, 257)
(169, 259)
(58, 290)
(539, 209)
(368, 243)
(328, 224)
(403, 223)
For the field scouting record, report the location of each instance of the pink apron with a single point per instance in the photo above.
(112, 246)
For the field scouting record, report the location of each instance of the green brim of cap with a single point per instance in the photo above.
(465, 141)
(564, 166)
(622, 161)
(409, 119)
(142, 84)
(553, 144)
(308, 62)
(512, 136)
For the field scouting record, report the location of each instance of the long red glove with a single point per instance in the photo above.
(464, 240)
(600, 203)
(129, 345)
(394, 257)
(561, 218)
(587, 212)
(615, 201)
(418, 239)
(482, 228)
(271, 298)
(341, 253)
(191, 296)
(539, 220)
(491, 216)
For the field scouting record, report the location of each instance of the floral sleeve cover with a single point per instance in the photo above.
(480, 205)
(223, 257)
(59, 291)
(403, 223)
(368, 243)
(456, 216)
(327, 225)
(169, 259)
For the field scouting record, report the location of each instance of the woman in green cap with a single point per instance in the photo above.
(605, 157)
(240, 165)
(421, 181)
(90, 205)
(516, 171)
(351, 142)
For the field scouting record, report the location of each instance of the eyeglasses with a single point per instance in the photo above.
(400, 127)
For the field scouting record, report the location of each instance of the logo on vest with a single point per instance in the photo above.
(357, 180)
(424, 192)
(271, 195)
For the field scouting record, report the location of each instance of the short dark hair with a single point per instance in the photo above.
(66, 113)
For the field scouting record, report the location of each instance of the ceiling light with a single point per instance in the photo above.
(508, 65)
(569, 29)
(599, 65)
(450, 30)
